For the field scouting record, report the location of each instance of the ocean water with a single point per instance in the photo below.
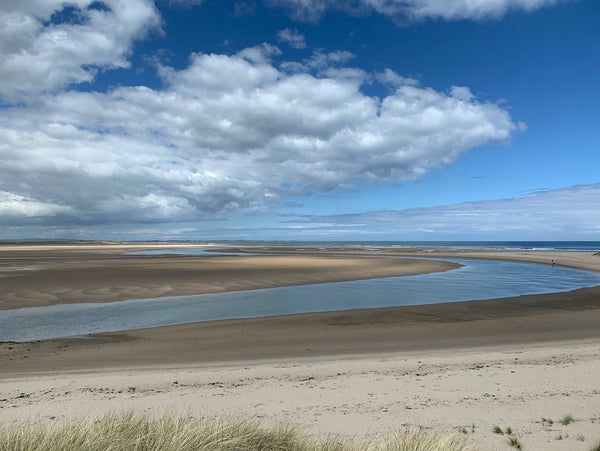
(558, 245)
(374, 245)
(477, 279)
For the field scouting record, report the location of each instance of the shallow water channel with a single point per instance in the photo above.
(477, 279)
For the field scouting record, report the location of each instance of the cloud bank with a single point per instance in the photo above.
(228, 132)
(562, 213)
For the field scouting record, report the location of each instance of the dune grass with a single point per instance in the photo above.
(422, 440)
(180, 433)
(567, 419)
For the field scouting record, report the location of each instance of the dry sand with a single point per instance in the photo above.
(475, 389)
(471, 365)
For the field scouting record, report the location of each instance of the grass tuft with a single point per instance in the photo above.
(423, 440)
(596, 448)
(180, 433)
(514, 442)
(567, 419)
(498, 430)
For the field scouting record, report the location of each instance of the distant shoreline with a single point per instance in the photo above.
(457, 244)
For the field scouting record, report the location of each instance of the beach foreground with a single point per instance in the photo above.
(467, 366)
(471, 390)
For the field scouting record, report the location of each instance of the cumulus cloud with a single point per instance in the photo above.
(292, 37)
(229, 132)
(562, 213)
(413, 9)
(49, 44)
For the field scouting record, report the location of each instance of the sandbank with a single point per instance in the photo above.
(35, 276)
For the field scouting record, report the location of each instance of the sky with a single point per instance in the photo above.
(300, 119)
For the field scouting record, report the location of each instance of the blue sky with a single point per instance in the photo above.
(300, 119)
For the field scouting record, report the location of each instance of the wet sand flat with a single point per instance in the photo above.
(43, 275)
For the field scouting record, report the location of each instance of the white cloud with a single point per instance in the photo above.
(456, 9)
(388, 76)
(259, 54)
(227, 133)
(292, 38)
(414, 9)
(38, 54)
(567, 213)
(15, 205)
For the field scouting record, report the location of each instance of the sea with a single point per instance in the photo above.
(523, 245)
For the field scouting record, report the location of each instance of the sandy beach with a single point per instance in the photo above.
(474, 389)
(465, 366)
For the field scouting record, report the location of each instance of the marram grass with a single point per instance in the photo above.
(180, 433)
(425, 440)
